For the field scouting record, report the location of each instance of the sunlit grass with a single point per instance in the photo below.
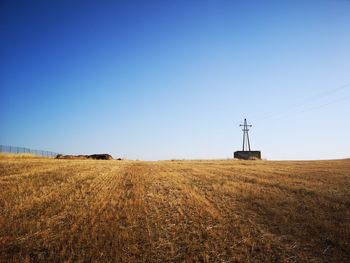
(18, 155)
(221, 211)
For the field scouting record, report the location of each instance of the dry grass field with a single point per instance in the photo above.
(174, 211)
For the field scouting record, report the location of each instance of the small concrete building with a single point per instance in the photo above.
(247, 155)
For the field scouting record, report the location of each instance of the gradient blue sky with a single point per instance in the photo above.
(174, 79)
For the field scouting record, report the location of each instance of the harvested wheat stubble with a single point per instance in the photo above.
(207, 211)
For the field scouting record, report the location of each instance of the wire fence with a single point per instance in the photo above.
(17, 150)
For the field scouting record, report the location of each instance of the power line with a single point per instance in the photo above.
(296, 106)
(312, 108)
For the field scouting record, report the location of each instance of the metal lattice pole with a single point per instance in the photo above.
(246, 142)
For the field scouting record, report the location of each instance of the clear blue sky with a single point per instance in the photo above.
(174, 79)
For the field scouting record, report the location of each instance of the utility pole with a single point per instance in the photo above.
(246, 142)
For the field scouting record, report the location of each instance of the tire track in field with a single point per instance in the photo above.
(108, 223)
(85, 213)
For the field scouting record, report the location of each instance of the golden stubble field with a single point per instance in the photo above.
(174, 211)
